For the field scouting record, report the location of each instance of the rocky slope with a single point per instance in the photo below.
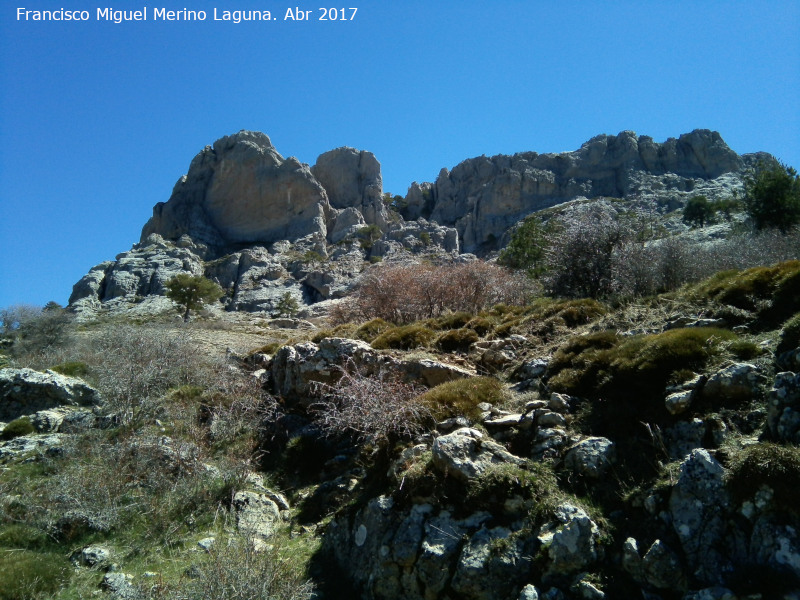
(263, 226)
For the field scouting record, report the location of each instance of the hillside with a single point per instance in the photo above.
(622, 420)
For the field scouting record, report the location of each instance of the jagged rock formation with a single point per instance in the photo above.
(482, 197)
(263, 226)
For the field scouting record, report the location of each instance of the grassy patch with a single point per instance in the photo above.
(72, 369)
(17, 428)
(454, 320)
(372, 329)
(772, 291)
(790, 335)
(457, 340)
(26, 574)
(461, 397)
(765, 463)
(404, 337)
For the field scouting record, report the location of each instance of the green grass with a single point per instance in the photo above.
(790, 335)
(461, 397)
(17, 428)
(766, 464)
(457, 340)
(404, 337)
(372, 329)
(25, 573)
(72, 369)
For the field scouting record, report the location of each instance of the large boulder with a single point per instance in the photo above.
(25, 392)
(242, 191)
(783, 408)
(467, 453)
(352, 179)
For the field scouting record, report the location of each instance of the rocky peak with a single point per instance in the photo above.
(482, 197)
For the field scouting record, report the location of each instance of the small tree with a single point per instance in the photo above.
(698, 211)
(526, 250)
(772, 196)
(192, 291)
(287, 306)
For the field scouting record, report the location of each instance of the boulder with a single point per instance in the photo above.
(25, 392)
(242, 190)
(735, 383)
(783, 408)
(467, 453)
(256, 515)
(591, 457)
(699, 505)
(572, 540)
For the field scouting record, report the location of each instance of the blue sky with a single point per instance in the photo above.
(100, 119)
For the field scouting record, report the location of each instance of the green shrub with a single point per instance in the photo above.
(404, 337)
(632, 371)
(17, 428)
(772, 196)
(462, 396)
(287, 306)
(535, 483)
(767, 464)
(771, 291)
(480, 325)
(372, 329)
(790, 335)
(571, 312)
(72, 369)
(698, 211)
(453, 320)
(457, 340)
(321, 335)
(25, 574)
(745, 349)
(374, 260)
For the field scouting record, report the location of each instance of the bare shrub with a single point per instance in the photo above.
(580, 257)
(135, 366)
(405, 293)
(36, 333)
(374, 409)
(642, 269)
(238, 569)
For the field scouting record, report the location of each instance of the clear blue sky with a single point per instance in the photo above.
(100, 119)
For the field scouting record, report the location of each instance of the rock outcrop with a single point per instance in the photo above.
(482, 197)
(262, 225)
(240, 191)
(26, 392)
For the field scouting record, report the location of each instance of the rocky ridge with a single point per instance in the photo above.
(263, 226)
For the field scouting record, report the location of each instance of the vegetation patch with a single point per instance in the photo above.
(372, 329)
(772, 291)
(17, 428)
(454, 320)
(404, 337)
(790, 335)
(461, 397)
(72, 369)
(571, 312)
(766, 464)
(457, 340)
(480, 325)
(28, 574)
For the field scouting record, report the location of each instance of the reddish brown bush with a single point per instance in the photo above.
(406, 293)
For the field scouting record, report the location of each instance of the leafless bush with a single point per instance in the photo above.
(375, 409)
(580, 258)
(640, 269)
(135, 366)
(405, 293)
(238, 569)
(34, 332)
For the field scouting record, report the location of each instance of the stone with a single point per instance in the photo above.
(572, 541)
(529, 592)
(207, 543)
(47, 421)
(94, 557)
(532, 369)
(591, 457)
(352, 179)
(683, 437)
(119, 585)
(698, 507)
(483, 197)
(491, 565)
(25, 392)
(558, 402)
(735, 383)
(242, 190)
(679, 402)
(256, 514)
(44, 444)
(467, 453)
(661, 568)
(783, 408)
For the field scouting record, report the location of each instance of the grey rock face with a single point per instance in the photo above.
(242, 191)
(736, 382)
(698, 506)
(591, 457)
(783, 409)
(256, 514)
(572, 540)
(467, 453)
(482, 197)
(352, 179)
(25, 392)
